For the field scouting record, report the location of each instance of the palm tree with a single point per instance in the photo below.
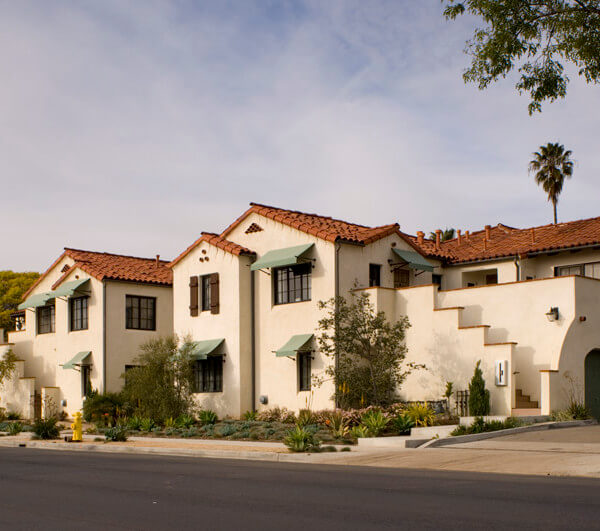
(551, 165)
(446, 235)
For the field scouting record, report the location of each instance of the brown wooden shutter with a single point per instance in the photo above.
(194, 296)
(214, 293)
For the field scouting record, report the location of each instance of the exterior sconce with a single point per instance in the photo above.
(552, 315)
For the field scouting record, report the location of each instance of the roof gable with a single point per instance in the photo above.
(217, 241)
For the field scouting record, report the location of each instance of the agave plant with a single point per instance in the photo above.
(135, 423)
(170, 422)
(360, 432)
(337, 424)
(300, 440)
(250, 415)
(185, 421)
(206, 416)
(146, 424)
(421, 414)
(375, 422)
(305, 417)
(402, 424)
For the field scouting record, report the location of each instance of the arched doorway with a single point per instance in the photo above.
(592, 383)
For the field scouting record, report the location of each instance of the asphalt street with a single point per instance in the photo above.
(66, 490)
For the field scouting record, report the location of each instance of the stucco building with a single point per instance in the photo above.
(523, 301)
(80, 326)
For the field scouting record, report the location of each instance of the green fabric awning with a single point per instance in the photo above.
(281, 257)
(414, 260)
(39, 299)
(295, 344)
(202, 349)
(78, 359)
(68, 289)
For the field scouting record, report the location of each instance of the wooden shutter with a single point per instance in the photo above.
(194, 296)
(214, 293)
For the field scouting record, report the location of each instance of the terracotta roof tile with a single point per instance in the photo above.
(217, 241)
(507, 241)
(109, 266)
(323, 227)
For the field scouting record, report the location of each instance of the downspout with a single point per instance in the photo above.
(103, 336)
(252, 341)
(518, 267)
(338, 246)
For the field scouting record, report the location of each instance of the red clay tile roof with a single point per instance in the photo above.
(108, 266)
(507, 241)
(322, 227)
(217, 241)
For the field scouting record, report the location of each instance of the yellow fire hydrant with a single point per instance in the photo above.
(77, 428)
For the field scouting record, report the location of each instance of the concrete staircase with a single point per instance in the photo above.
(524, 406)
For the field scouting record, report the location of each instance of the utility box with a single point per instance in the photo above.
(501, 373)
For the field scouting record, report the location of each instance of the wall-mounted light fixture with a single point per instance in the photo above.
(552, 314)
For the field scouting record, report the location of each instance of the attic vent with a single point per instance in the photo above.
(253, 228)
(65, 268)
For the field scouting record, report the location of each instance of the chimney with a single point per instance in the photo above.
(467, 234)
(485, 244)
(420, 236)
(532, 235)
(459, 236)
(438, 238)
(157, 260)
(487, 232)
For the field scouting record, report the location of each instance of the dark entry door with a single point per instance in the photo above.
(592, 383)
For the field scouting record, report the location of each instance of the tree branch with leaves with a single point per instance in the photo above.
(534, 37)
(370, 351)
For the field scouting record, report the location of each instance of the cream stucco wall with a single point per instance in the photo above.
(44, 354)
(122, 345)
(231, 323)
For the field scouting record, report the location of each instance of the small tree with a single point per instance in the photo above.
(370, 351)
(7, 367)
(162, 384)
(479, 396)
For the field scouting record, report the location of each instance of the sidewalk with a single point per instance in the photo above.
(564, 452)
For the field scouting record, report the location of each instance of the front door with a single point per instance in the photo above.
(592, 383)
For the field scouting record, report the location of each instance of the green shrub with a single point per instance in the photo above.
(328, 448)
(300, 440)
(118, 433)
(577, 410)
(305, 417)
(338, 425)
(421, 414)
(185, 421)
(250, 415)
(102, 408)
(161, 384)
(4, 426)
(479, 425)
(15, 428)
(346, 449)
(459, 430)
(360, 432)
(402, 424)
(146, 424)
(169, 423)
(375, 421)
(206, 416)
(46, 428)
(135, 423)
(225, 430)
(479, 396)
(277, 414)
(13, 415)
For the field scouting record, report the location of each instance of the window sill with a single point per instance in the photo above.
(292, 302)
(208, 393)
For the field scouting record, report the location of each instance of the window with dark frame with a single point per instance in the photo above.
(401, 278)
(205, 292)
(591, 269)
(304, 371)
(140, 312)
(45, 319)
(374, 275)
(86, 380)
(292, 284)
(208, 375)
(78, 308)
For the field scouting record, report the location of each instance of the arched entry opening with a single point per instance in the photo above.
(592, 382)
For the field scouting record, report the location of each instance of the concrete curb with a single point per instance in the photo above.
(178, 452)
(459, 439)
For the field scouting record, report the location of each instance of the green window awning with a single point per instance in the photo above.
(295, 344)
(281, 257)
(414, 260)
(202, 349)
(39, 299)
(78, 359)
(69, 289)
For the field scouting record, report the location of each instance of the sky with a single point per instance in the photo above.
(132, 126)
